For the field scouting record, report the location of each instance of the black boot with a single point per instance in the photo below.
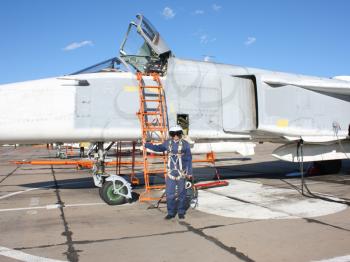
(168, 216)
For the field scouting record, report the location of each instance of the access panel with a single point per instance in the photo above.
(238, 104)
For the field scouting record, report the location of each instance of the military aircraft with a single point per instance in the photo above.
(215, 103)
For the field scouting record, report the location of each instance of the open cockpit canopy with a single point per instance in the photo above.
(143, 47)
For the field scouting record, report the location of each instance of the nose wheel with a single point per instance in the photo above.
(114, 194)
(113, 189)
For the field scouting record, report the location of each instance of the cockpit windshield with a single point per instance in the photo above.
(111, 65)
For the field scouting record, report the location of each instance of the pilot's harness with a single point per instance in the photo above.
(182, 173)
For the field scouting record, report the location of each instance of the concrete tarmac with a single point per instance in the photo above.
(54, 213)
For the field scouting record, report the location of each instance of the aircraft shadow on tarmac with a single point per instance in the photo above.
(267, 170)
(75, 183)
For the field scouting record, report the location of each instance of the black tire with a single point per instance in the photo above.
(108, 195)
(62, 155)
(100, 193)
(329, 166)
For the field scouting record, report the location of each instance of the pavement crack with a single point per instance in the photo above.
(84, 242)
(81, 242)
(311, 220)
(9, 174)
(231, 250)
(72, 254)
(225, 225)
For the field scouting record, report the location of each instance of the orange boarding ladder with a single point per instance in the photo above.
(154, 126)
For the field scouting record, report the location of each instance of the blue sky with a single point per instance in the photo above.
(42, 38)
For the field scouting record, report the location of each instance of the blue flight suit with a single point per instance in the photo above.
(171, 184)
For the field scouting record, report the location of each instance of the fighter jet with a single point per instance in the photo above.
(214, 102)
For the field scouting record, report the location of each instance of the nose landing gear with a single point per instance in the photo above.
(114, 190)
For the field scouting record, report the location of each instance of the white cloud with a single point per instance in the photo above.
(216, 7)
(76, 45)
(250, 40)
(199, 12)
(205, 39)
(168, 13)
(207, 58)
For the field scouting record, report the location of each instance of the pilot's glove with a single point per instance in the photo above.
(187, 175)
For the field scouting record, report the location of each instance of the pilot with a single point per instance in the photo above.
(179, 168)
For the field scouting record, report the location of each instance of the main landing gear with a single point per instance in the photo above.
(113, 189)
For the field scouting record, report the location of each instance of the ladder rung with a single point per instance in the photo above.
(153, 129)
(155, 161)
(157, 87)
(151, 124)
(151, 109)
(151, 94)
(156, 187)
(156, 171)
(151, 100)
(148, 128)
(156, 156)
(151, 113)
(145, 130)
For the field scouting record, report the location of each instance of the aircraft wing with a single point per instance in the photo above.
(334, 86)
